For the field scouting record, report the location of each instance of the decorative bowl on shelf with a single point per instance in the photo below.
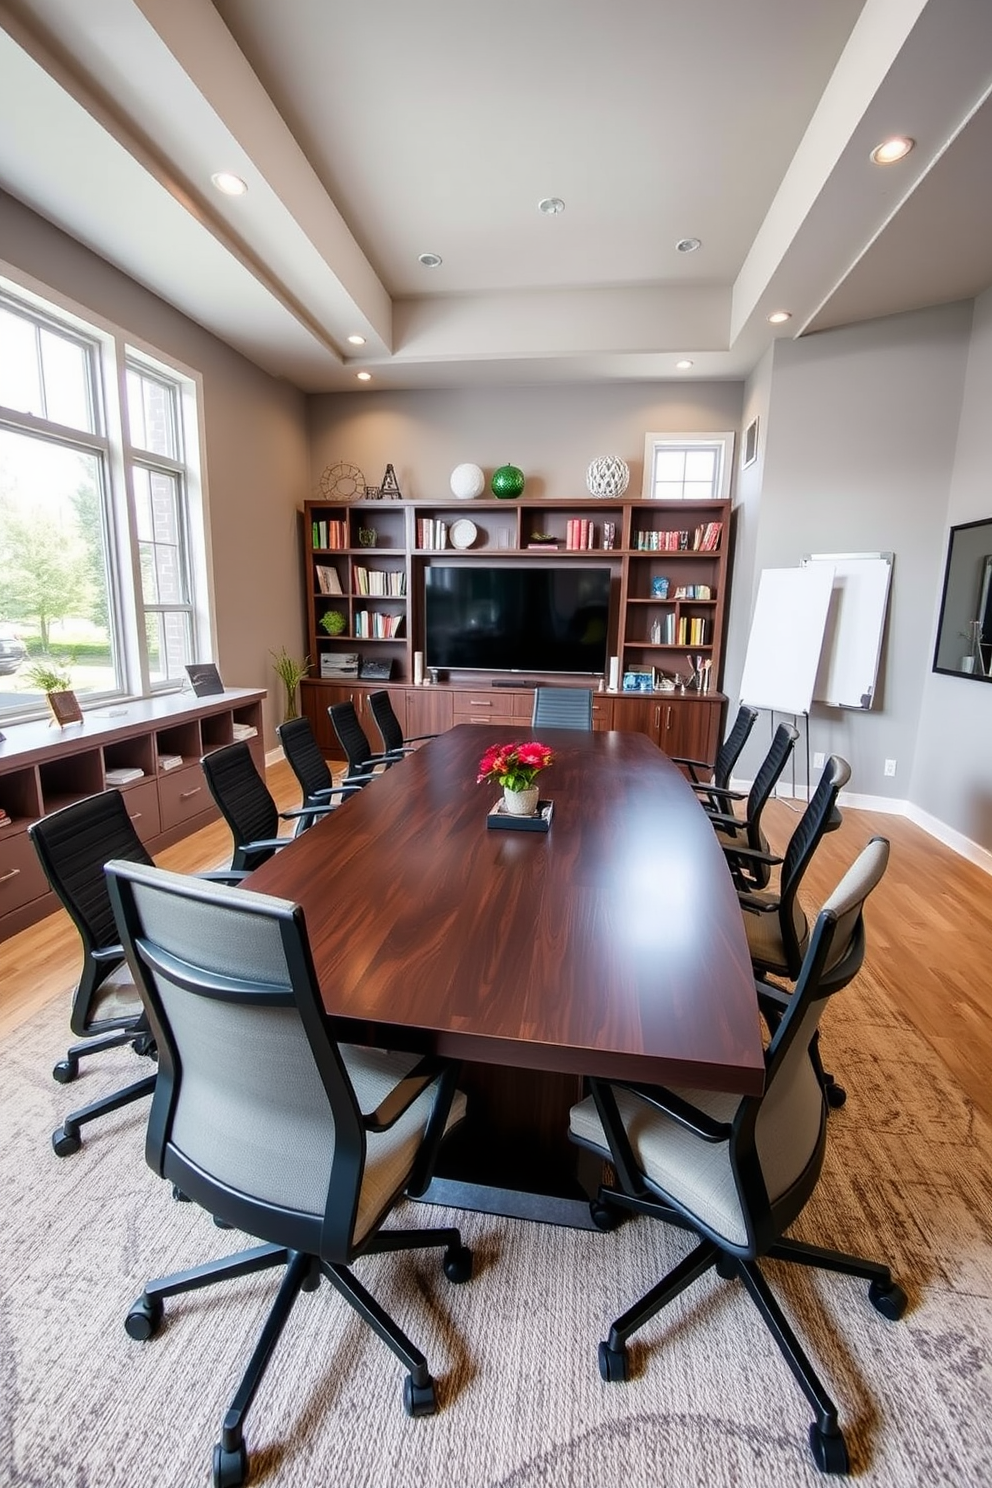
(463, 533)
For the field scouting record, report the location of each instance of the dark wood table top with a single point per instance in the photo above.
(612, 944)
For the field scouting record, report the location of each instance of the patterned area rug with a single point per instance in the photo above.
(907, 1178)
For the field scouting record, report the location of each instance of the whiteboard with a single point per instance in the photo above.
(783, 649)
(855, 623)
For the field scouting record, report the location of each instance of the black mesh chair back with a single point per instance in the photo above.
(718, 773)
(362, 762)
(261, 1117)
(739, 1171)
(735, 831)
(299, 744)
(562, 707)
(244, 802)
(73, 845)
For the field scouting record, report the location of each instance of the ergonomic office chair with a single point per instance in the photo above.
(246, 804)
(739, 1171)
(727, 756)
(73, 845)
(362, 763)
(562, 707)
(746, 830)
(299, 745)
(389, 728)
(775, 923)
(268, 1123)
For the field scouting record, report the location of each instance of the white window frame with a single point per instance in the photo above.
(722, 443)
(114, 350)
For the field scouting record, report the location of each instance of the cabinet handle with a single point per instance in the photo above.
(480, 702)
(668, 716)
(657, 716)
(185, 795)
(11, 873)
(135, 815)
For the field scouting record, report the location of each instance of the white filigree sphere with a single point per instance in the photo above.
(608, 476)
(467, 482)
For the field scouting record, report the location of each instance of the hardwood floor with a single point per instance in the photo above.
(929, 931)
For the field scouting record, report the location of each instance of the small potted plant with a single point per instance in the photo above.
(292, 673)
(515, 767)
(52, 678)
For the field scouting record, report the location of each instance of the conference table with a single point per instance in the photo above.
(612, 944)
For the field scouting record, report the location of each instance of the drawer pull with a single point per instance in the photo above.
(135, 815)
(11, 873)
(186, 795)
(480, 702)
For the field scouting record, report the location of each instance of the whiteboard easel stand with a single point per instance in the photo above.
(795, 724)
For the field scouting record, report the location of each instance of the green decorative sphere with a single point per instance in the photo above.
(507, 482)
(333, 622)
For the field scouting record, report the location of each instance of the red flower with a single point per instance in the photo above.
(514, 765)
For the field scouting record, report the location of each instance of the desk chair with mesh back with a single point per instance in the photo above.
(746, 830)
(389, 728)
(562, 707)
(718, 773)
(299, 745)
(246, 804)
(776, 924)
(73, 845)
(261, 1117)
(363, 764)
(739, 1171)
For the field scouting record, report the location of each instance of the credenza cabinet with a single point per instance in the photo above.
(43, 768)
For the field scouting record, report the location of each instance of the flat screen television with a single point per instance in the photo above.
(516, 619)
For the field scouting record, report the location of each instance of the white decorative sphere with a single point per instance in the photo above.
(608, 476)
(467, 482)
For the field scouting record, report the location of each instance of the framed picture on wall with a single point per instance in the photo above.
(750, 451)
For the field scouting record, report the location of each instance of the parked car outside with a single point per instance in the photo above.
(12, 650)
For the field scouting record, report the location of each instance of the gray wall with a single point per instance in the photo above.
(861, 436)
(952, 777)
(551, 433)
(256, 444)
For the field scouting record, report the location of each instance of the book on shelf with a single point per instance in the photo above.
(431, 533)
(4, 818)
(124, 774)
(389, 583)
(327, 580)
(329, 534)
(170, 761)
(375, 626)
(580, 533)
(546, 542)
(242, 731)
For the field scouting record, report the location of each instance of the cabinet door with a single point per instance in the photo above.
(690, 729)
(602, 713)
(638, 716)
(428, 711)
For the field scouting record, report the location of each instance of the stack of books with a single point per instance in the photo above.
(169, 761)
(243, 731)
(4, 818)
(124, 774)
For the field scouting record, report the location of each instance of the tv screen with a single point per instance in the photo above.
(523, 619)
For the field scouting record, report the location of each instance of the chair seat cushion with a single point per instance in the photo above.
(389, 1155)
(695, 1173)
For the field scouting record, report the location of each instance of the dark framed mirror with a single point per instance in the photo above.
(964, 635)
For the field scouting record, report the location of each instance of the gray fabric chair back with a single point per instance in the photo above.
(562, 707)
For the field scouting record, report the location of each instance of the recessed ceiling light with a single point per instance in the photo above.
(688, 245)
(229, 184)
(891, 150)
(779, 317)
(356, 340)
(683, 365)
(429, 260)
(364, 376)
(551, 206)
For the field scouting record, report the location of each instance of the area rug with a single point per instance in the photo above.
(908, 1178)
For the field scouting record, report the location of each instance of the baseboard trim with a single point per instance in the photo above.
(891, 806)
(274, 756)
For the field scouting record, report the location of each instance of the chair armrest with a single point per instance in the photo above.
(403, 1095)
(311, 811)
(108, 953)
(754, 905)
(725, 819)
(750, 854)
(419, 738)
(679, 1110)
(224, 875)
(344, 789)
(723, 792)
(264, 843)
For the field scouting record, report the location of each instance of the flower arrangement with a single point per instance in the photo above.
(514, 766)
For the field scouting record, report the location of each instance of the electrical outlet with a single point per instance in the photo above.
(818, 761)
(890, 767)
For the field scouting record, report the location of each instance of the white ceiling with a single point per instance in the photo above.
(369, 133)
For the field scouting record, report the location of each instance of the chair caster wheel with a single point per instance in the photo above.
(230, 1468)
(143, 1321)
(836, 1095)
(65, 1070)
(604, 1216)
(64, 1142)
(613, 1365)
(457, 1263)
(145, 1047)
(829, 1450)
(222, 1224)
(419, 1400)
(889, 1300)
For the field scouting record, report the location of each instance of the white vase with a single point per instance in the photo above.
(521, 803)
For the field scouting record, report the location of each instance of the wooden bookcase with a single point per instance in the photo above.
(376, 553)
(42, 769)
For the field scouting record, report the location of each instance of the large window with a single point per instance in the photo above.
(102, 567)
